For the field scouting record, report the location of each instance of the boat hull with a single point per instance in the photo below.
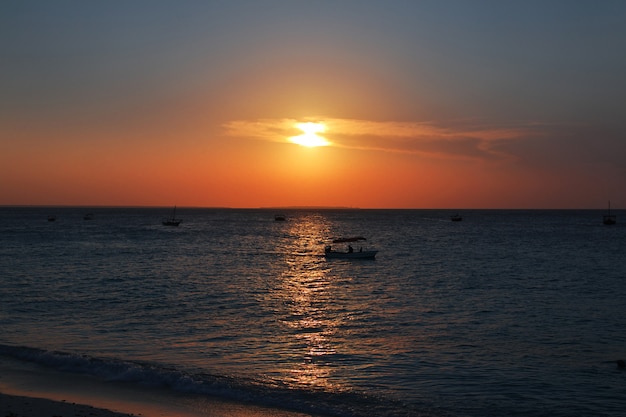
(366, 254)
(609, 219)
(171, 222)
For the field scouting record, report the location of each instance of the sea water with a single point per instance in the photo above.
(506, 313)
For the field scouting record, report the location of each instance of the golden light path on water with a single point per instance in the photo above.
(308, 296)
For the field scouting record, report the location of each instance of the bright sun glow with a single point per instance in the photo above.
(310, 136)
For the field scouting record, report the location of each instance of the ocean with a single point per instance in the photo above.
(506, 313)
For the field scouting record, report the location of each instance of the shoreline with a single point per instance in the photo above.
(15, 404)
(20, 406)
(27, 390)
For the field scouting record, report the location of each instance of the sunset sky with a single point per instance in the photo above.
(419, 104)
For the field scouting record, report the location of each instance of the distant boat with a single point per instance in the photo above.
(52, 218)
(609, 218)
(88, 216)
(350, 253)
(456, 218)
(280, 217)
(172, 221)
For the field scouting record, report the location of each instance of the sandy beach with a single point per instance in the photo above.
(33, 391)
(18, 406)
(26, 406)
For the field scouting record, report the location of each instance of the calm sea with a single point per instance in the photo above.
(506, 313)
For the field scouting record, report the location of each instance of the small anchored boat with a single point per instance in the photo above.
(456, 218)
(172, 221)
(350, 253)
(609, 218)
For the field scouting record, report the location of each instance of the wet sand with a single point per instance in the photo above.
(17, 406)
(40, 392)
(26, 406)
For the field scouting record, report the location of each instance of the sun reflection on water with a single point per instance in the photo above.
(307, 308)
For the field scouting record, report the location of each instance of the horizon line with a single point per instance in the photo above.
(304, 207)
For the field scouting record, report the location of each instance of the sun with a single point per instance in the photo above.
(310, 137)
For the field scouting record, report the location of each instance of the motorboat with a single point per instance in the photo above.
(280, 217)
(88, 216)
(172, 221)
(350, 253)
(52, 218)
(456, 218)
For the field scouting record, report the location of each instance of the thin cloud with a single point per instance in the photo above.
(456, 139)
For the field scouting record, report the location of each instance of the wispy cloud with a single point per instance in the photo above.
(455, 139)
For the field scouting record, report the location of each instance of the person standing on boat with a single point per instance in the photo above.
(350, 250)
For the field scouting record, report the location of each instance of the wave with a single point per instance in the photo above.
(251, 391)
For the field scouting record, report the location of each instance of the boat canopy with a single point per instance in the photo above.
(349, 239)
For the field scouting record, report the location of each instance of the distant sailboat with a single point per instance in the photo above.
(609, 218)
(172, 221)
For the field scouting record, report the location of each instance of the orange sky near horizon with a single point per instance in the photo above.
(199, 111)
(242, 172)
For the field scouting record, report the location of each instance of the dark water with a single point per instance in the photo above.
(507, 313)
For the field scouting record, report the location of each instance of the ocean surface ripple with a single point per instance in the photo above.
(508, 312)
